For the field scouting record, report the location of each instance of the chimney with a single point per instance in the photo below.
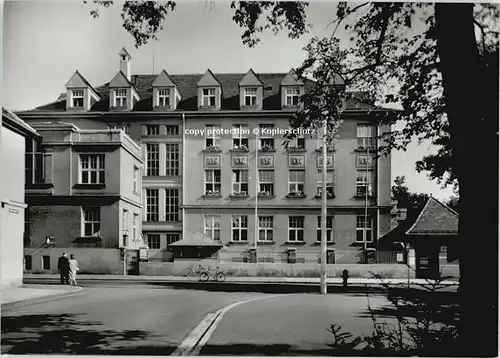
(125, 63)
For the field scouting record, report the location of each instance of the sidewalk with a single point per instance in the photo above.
(246, 280)
(23, 293)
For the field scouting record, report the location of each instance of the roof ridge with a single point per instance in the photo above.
(446, 206)
(418, 217)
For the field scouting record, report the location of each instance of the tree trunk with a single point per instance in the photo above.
(473, 118)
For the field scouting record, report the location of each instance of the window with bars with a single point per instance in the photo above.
(364, 182)
(240, 182)
(213, 182)
(292, 95)
(208, 97)
(266, 182)
(172, 159)
(364, 232)
(250, 96)
(121, 98)
(296, 181)
(212, 139)
(240, 136)
(173, 237)
(295, 228)
(92, 169)
(329, 183)
(240, 228)
(164, 97)
(329, 229)
(266, 228)
(212, 227)
(77, 98)
(366, 136)
(152, 129)
(172, 130)
(153, 159)
(152, 205)
(266, 139)
(91, 221)
(172, 205)
(154, 241)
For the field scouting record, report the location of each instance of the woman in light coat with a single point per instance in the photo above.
(73, 269)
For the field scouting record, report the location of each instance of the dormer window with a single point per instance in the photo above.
(77, 98)
(250, 96)
(121, 98)
(164, 98)
(208, 98)
(292, 96)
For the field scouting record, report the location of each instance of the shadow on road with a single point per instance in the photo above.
(67, 334)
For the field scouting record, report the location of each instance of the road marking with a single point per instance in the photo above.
(194, 342)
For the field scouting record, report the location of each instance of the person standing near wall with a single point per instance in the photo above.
(63, 267)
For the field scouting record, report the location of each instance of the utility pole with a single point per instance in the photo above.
(323, 212)
(256, 224)
(365, 233)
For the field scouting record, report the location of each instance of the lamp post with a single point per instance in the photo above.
(256, 223)
(365, 231)
(323, 213)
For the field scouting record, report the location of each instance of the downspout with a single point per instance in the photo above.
(71, 163)
(183, 175)
(376, 163)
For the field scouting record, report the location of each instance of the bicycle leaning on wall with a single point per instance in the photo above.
(217, 274)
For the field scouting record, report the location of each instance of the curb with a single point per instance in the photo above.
(40, 299)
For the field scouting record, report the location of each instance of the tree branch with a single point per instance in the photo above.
(346, 15)
(483, 33)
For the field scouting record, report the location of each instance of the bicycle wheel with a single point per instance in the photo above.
(204, 277)
(221, 277)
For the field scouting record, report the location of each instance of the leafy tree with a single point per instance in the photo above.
(446, 79)
(413, 202)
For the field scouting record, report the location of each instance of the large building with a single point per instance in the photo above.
(196, 180)
(15, 136)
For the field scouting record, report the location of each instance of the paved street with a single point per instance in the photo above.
(155, 320)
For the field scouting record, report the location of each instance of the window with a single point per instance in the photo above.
(329, 183)
(121, 98)
(266, 182)
(152, 205)
(28, 262)
(136, 179)
(329, 229)
(212, 227)
(134, 226)
(362, 230)
(364, 160)
(212, 139)
(240, 136)
(319, 140)
(92, 169)
(364, 182)
(125, 240)
(164, 98)
(125, 220)
(250, 96)
(266, 136)
(266, 228)
(152, 129)
(240, 228)
(153, 159)
(172, 157)
(296, 181)
(212, 182)
(173, 237)
(292, 95)
(154, 241)
(240, 182)
(91, 221)
(172, 130)
(77, 98)
(298, 142)
(35, 162)
(208, 97)
(171, 205)
(121, 127)
(366, 136)
(295, 228)
(45, 262)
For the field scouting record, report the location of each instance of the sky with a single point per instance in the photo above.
(44, 42)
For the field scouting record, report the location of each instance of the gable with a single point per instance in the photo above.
(163, 80)
(250, 79)
(77, 81)
(435, 219)
(291, 79)
(120, 81)
(208, 79)
(124, 52)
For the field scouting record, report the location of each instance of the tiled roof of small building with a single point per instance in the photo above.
(435, 219)
(187, 86)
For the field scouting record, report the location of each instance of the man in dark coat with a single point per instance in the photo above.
(63, 267)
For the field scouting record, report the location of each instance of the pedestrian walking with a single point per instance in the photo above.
(63, 267)
(73, 269)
